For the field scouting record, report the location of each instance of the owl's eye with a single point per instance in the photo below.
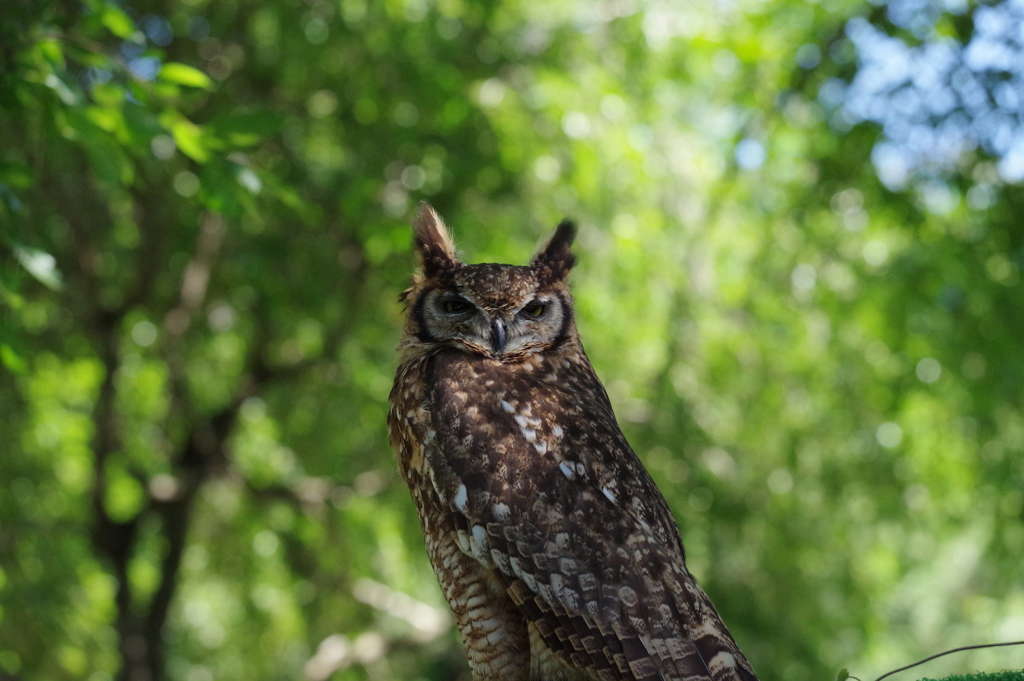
(456, 306)
(536, 309)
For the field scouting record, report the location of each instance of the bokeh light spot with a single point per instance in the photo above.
(889, 434)
(928, 370)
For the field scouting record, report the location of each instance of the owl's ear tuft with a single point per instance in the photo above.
(555, 259)
(433, 243)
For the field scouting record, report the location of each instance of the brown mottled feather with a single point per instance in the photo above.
(555, 550)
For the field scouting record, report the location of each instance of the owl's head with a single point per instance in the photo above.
(505, 312)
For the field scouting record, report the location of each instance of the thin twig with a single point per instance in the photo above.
(954, 650)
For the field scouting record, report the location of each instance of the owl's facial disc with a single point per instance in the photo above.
(507, 329)
(519, 331)
(526, 327)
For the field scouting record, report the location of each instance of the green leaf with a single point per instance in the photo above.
(12, 360)
(16, 175)
(40, 265)
(109, 120)
(119, 23)
(51, 51)
(187, 135)
(112, 17)
(65, 93)
(248, 179)
(107, 158)
(183, 74)
(842, 675)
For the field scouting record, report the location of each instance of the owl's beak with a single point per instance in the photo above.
(498, 336)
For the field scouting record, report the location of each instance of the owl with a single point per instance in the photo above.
(555, 550)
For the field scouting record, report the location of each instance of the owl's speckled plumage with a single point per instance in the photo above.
(556, 552)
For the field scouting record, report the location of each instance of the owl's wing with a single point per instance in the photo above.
(605, 597)
(546, 491)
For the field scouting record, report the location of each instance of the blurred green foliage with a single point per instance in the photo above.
(204, 210)
(997, 676)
